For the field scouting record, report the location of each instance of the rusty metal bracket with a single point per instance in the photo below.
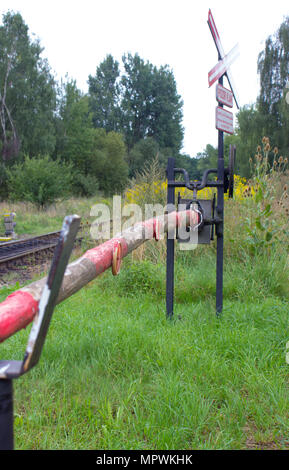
(157, 230)
(116, 258)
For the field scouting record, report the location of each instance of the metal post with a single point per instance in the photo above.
(220, 214)
(170, 244)
(6, 415)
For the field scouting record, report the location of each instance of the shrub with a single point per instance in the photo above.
(142, 277)
(268, 208)
(84, 185)
(150, 187)
(137, 278)
(39, 180)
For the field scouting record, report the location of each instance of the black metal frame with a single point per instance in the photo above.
(10, 370)
(223, 184)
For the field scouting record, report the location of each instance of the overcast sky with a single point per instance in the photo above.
(77, 35)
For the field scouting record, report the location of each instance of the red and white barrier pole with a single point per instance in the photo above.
(20, 308)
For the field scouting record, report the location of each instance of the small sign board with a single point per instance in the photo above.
(224, 96)
(224, 120)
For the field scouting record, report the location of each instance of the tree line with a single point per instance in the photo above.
(268, 116)
(131, 114)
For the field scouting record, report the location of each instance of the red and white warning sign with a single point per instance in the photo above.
(224, 120)
(223, 66)
(224, 96)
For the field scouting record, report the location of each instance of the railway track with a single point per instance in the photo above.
(17, 248)
(35, 250)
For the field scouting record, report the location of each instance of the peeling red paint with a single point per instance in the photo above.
(17, 311)
(101, 256)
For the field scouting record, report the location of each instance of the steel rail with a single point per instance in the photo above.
(21, 248)
(33, 244)
(36, 237)
(23, 253)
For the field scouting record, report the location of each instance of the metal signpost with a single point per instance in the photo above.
(224, 123)
(211, 217)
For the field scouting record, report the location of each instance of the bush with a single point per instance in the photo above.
(137, 278)
(267, 222)
(142, 277)
(39, 180)
(84, 185)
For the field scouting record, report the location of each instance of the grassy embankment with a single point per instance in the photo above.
(115, 374)
(32, 221)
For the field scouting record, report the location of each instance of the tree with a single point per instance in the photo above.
(75, 132)
(98, 157)
(166, 111)
(207, 159)
(27, 92)
(150, 104)
(110, 165)
(142, 153)
(273, 68)
(75, 138)
(39, 180)
(104, 95)
(190, 165)
(141, 103)
(269, 116)
(249, 131)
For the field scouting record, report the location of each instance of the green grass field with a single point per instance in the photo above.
(32, 221)
(116, 374)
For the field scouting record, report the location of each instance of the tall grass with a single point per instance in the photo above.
(31, 220)
(115, 374)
